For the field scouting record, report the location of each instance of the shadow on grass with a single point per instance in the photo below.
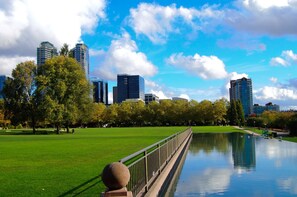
(30, 132)
(85, 186)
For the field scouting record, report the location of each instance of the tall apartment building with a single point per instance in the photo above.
(81, 54)
(100, 91)
(46, 50)
(2, 81)
(130, 87)
(241, 89)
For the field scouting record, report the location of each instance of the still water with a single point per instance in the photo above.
(238, 164)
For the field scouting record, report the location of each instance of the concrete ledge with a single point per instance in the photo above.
(168, 172)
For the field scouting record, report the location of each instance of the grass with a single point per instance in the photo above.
(291, 139)
(215, 129)
(68, 164)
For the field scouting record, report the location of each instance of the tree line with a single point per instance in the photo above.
(58, 94)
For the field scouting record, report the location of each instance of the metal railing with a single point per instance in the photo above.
(146, 164)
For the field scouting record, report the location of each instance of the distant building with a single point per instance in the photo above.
(81, 54)
(241, 89)
(130, 87)
(100, 91)
(46, 50)
(151, 97)
(258, 109)
(2, 81)
(179, 98)
(115, 94)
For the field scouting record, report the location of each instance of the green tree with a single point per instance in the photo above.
(19, 95)
(232, 113)
(64, 91)
(220, 111)
(240, 113)
(64, 50)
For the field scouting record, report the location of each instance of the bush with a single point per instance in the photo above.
(293, 125)
(19, 126)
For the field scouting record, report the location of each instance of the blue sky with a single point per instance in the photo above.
(182, 48)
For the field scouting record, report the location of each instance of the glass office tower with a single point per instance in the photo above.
(130, 87)
(46, 50)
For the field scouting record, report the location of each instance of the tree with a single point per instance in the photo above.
(220, 110)
(232, 113)
(240, 113)
(64, 91)
(64, 50)
(19, 95)
(293, 125)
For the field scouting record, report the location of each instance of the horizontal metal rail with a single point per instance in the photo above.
(146, 164)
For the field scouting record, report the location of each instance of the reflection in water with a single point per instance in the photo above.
(214, 161)
(243, 151)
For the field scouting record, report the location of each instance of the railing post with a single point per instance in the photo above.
(146, 171)
(159, 155)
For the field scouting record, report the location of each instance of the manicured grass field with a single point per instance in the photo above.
(291, 139)
(69, 164)
(215, 129)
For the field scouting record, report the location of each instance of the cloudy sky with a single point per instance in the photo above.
(182, 48)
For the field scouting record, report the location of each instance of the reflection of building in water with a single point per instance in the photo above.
(243, 151)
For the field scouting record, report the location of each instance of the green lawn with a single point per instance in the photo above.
(215, 129)
(291, 139)
(68, 164)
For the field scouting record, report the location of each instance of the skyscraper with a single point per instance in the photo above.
(241, 89)
(130, 87)
(46, 50)
(81, 54)
(2, 81)
(100, 91)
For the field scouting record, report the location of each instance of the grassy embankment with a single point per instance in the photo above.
(69, 164)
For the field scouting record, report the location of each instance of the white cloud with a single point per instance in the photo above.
(273, 79)
(160, 94)
(206, 67)
(275, 93)
(110, 97)
(123, 57)
(8, 64)
(185, 96)
(287, 58)
(278, 61)
(156, 21)
(274, 17)
(26, 23)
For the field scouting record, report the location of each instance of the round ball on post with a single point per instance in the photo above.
(115, 176)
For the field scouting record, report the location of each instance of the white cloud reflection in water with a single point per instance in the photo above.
(289, 184)
(210, 181)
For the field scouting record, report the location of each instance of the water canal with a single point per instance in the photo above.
(237, 164)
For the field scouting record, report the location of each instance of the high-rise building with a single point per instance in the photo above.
(259, 109)
(115, 94)
(2, 81)
(130, 87)
(100, 91)
(81, 54)
(46, 50)
(150, 98)
(241, 89)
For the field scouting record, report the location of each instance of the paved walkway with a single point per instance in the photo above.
(248, 131)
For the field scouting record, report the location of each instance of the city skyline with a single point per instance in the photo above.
(186, 49)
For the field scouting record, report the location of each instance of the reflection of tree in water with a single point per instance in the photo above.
(209, 143)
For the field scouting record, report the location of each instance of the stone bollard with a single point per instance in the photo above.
(115, 177)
